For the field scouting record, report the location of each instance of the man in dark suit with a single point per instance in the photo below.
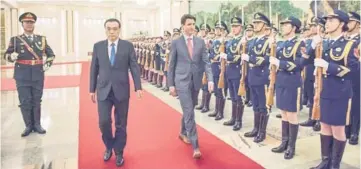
(188, 62)
(109, 77)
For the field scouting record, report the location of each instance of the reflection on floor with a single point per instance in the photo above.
(59, 147)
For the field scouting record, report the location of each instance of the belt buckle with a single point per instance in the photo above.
(33, 62)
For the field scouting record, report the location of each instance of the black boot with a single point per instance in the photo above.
(262, 128)
(256, 122)
(155, 79)
(284, 143)
(160, 81)
(239, 116)
(290, 152)
(146, 74)
(37, 115)
(150, 78)
(337, 153)
(206, 102)
(326, 147)
(355, 129)
(317, 126)
(27, 117)
(216, 109)
(233, 118)
(221, 109)
(200, 107)
(309, 122)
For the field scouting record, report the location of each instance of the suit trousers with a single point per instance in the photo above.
(188, 99)
(105, 107)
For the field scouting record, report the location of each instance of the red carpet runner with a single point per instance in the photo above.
(50, 82)
(153, 142)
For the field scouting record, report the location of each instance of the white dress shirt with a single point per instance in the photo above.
(110, 47)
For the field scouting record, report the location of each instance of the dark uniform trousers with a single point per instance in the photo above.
(216, 70)
(258, 74)
(30, 94)
(120, 111)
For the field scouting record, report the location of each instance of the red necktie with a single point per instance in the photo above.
(189, 45)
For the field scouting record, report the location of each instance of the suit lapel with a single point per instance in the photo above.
(105, 50)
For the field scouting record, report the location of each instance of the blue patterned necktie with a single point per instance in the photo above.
(112, 54)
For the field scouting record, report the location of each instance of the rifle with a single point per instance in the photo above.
(167, 59)
(152, 58)
(146, 66)
(316, 112)
(242, 84)
(271, 89)
(223, 67)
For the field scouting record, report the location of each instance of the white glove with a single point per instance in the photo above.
(321, 63)
(46, 66)
(315, 40)
(167, 51)
(244, 40)
(245, 57)
(223, 56)
(315, 72)
(274, 61)
(14, 56)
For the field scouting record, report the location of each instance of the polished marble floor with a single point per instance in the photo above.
(58, 149)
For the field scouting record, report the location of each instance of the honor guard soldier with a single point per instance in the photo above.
(214, 56)
(206, 96)
(354, 127)
(289, 63)
(338, 62)
(258, 74)
(164, 51)
(158, 52)
(29, 52)
(176, 34)
(315, 25)
(249, 38)
(196, 31)
(233, 70)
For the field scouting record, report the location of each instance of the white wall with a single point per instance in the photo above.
(72, 29)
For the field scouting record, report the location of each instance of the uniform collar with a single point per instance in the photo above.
(337, 38)
(354, 35)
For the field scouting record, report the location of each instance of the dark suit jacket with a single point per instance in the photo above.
(104, 77)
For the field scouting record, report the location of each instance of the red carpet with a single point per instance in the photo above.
(153, 142)
(8, 84)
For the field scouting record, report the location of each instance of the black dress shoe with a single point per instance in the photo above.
(26, 132)
(39, 129)
(107, 155)
(119, 160)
